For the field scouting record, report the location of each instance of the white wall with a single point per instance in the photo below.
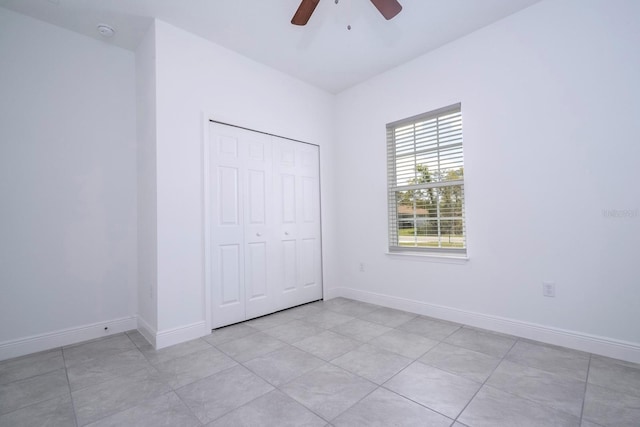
(146, 185)
(195, 77)
(67, 175)
(551, 100)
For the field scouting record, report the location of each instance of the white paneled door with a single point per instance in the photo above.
(297, 212)
(264, 222)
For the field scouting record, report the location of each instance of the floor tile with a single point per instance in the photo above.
(281, 366)
(104, 347)
(322, 376)
(429, 328)
(564, 394)
(328, 391)
(251, 346)
(327, 319)
(611, 408)
(388, 317)
(434, 388)
(192, 367)
(461, 361)
(403, 343)
(272, 409)
(175, 351)
(327, 345)
(166, 410)
(19, 394)
(29, 366)
(556, 360)
(483, 341)
(103, 369)
(615, 374)
(96, 402)
(375, 364)
(354, 308)
(304, 311)
(229, 333)
(270, 321)
(138, 339)
(360, 330)
(330, 303)
(56, 412)
(218, 394)
(384, 408)
(495, 408)
(293, 331)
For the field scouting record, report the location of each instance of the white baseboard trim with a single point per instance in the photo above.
(181, 334)
(148, 332)
(604, 346)
(63, 337)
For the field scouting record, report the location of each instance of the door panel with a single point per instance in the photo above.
(264, 224)
(229, 191)
(226, 228)
(308, 262)
(257, 197)
(309, 196)
(230, 274)
(258, 225)
(289, 265)
(227, 147)
(296, 175)
(256, 271)
(288, 197)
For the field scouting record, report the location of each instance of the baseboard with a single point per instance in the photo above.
(604, 346)
(60, 338)
(178, 335)
(148, 332)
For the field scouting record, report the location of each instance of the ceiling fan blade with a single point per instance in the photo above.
(388, 8)
(304, 12)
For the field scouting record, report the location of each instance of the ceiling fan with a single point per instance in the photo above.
(388, 9)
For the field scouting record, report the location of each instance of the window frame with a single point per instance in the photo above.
(393, 188)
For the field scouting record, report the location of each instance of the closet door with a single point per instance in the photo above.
(242, 237)
(226, 164)
(297, 207)
(259, 250)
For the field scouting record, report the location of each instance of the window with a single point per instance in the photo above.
(426, 183)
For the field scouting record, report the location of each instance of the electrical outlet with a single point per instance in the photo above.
(549, 289)
(362, 267)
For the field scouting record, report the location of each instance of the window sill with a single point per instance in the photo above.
(430, 257)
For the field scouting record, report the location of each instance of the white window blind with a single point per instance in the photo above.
(425, 165)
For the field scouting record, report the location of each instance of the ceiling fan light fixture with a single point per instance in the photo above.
(304, 12)
(388, 9)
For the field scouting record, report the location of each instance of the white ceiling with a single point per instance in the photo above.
(323, 53)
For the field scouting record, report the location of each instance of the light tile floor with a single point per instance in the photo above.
(339, 362)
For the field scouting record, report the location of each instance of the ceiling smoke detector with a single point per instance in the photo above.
(106, 31)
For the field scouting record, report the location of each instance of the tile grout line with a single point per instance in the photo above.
(418, 361)
(27, 356)
(544, 405)
(265, 380)
(330, 362)
(502, 359)
(73, 401)
(586, 384)
(129, 407)
(406, 367)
